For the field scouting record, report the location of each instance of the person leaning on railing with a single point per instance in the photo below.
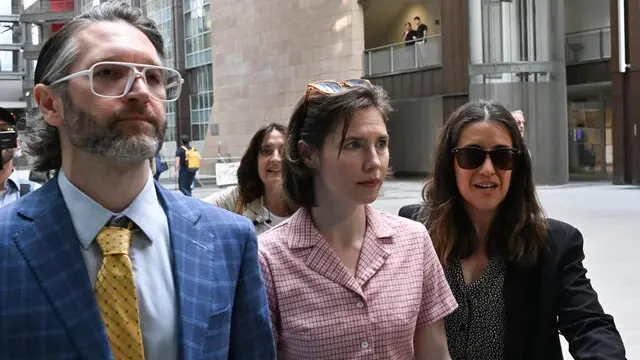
(258, 195)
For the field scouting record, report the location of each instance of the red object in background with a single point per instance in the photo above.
(61, 5)
(56, 27)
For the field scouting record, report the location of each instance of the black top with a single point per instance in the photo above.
(475, 330)
(421, 31)
(409, 36)
(551, 298)
(180, 153)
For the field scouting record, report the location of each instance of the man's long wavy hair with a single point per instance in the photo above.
(250, 185)
(58, 54)
(519, 229)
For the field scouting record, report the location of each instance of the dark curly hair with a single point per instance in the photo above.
(249, 182)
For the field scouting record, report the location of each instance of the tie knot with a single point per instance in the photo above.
(114, 240)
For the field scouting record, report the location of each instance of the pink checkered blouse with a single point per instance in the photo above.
(319, 310)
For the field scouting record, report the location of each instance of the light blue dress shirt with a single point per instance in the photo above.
(11, 191)
(150, 254)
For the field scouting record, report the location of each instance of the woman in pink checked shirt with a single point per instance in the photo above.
(346, 281)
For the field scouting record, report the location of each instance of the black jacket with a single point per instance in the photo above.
(554, 297)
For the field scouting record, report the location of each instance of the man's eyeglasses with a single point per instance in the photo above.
(470, 158)
(113, 79)
(333, 87)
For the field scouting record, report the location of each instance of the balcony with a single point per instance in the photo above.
(48, 11)
(31, 52)
(10, 46)
(588, 45)
(403, 57)
(13, 17)
(11, 75)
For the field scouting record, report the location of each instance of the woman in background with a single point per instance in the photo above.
(258, 195)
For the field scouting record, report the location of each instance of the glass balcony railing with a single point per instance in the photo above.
(588, 45)
(403, 57)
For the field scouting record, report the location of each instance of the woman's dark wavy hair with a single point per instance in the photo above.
(519, 229)
(249, 183)
(312, 121)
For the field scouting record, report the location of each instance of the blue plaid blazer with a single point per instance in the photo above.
(48, 309)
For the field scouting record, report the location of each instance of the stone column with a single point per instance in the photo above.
(265, 54)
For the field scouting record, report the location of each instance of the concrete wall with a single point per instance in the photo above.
(582, 15)
(266, 51)
(414, 128)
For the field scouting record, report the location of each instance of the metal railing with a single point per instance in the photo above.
(43, 6)
(588, 45)
(403, 56)
(16, 10)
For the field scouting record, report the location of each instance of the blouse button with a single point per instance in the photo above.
(360, 304)
(364, 345)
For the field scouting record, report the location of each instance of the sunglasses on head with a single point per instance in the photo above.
(470, 158)
(328, 87)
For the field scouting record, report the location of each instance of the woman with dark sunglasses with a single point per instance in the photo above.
(345, 281)
(517, 276)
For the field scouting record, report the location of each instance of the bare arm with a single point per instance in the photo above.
(177, 164)
(430, 342)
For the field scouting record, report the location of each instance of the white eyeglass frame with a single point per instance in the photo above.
(136, 74)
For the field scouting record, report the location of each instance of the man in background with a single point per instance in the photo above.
(12, 187)
(185, 174)
(421, 29)
(518, 115)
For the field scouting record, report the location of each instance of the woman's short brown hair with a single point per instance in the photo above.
(315, 119)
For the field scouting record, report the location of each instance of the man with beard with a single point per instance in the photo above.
(101, 262)
(12, 187)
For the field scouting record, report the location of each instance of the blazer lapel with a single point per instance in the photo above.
(51, 249)
(193, 271)
(521, 286)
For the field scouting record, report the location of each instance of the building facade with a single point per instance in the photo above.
(554, 60)
(12, 68)
(185, 26)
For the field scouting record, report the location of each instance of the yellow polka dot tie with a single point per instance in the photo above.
(116, 294)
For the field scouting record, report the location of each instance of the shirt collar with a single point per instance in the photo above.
(89, 217)
(303, 232)
(12, 181)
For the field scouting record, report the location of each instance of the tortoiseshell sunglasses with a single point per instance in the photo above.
(327, 87)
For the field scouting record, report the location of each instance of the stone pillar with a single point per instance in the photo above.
(625, 91)
(530, 75)
(265, 54)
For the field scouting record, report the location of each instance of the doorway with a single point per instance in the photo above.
(590, 138)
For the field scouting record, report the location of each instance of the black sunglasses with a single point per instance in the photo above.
(470, 158)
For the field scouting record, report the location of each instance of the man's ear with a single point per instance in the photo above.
(49, 103)
(309, 155)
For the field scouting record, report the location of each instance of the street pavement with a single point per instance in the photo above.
(605, 214)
